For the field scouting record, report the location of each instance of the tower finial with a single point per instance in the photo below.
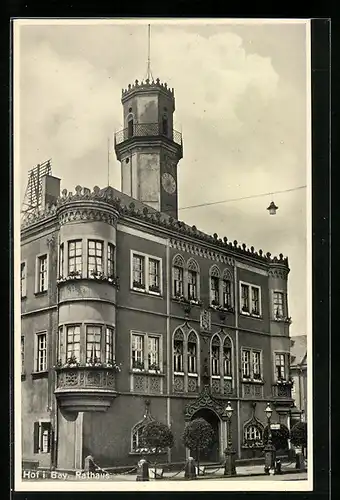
(149, 73)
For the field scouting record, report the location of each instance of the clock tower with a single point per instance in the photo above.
(148, 147)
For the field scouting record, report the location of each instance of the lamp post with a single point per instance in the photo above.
(229, 466)
(269, 449)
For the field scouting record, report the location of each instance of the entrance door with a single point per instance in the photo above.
(211, 454)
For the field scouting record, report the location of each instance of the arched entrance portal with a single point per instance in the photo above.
(212, 454)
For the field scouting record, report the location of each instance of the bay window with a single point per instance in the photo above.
(281, 366)
(110, 260)
(278, 305)
(73, 343)
(75, 256)
(94, 258)
(93, 344)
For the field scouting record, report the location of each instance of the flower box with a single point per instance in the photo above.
(138, 285)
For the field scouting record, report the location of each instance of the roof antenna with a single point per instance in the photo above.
(149, 73)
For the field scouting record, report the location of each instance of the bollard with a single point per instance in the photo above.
(190, 469)
(142, 470)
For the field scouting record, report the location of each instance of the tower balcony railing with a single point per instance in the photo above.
(147, 130)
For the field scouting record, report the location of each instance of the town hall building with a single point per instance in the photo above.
(129, 314)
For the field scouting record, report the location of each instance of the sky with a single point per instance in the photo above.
(241, 105)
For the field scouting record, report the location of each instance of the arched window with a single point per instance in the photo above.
(178, 276)
(136, 438)
(178, 351)
(193, 280)
(215, 355)
(130, 126)
(227, 289)
(165, 127)
(192, 353)
(227, 359)
(214, 286)
(253, 435)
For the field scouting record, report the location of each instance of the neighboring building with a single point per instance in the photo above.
(298, 372)
(113, 278)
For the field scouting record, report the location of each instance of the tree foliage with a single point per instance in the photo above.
(298, 434)
(197, 436)
(279, 437)
(158, 436)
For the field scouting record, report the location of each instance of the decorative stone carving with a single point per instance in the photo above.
(155, 385)
(227, 386)
(215, 272)
(201, 252)
(192, 384)
(178, 384)
(139, 383)
(83, 378)
(205, 320)
(281, 273)
(215, 386)
(205, 400)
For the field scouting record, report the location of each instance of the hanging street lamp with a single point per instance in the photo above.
(269, 449)
(272, 208)
(229, 452)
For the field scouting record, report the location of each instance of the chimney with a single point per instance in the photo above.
(50, 190)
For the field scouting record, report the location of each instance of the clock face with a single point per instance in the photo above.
(168, 183)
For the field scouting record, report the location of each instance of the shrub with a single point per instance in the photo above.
(197, 436)
(157, 436)
(298, 435)
(279, 437)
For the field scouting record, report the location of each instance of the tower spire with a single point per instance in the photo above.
(149, 73)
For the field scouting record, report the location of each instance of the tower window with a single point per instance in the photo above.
(130, 110)
(130, 127)
(165, 125)
(127, 160)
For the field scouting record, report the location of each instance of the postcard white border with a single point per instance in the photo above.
(199, 485)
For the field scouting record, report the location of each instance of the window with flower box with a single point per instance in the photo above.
(109, 345)
(178, 273)
(146, 352)
(215, 355)
(192, 353)
(178, 351)
(251, 364)
(250, 299)
(281, 366)
(93, 344)
(226, 294)
(73, 343)
(110, 260)
(146, 273)
(94, 258)
(227, 357)
(75, 257)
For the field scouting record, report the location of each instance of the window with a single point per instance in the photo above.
(178, 281)
(75, 259)
(253, 433)
(178, 276)
(41, 365)
(192, 353)
(137, 433)
(245, 364)
(227, 367)
(138, 352)
(130, 127)
(226, 293)
(138, 271)
(73, 343)
(250, 299)
(42, 273)
(22, 355)
(23, 279)
(153, 353)
(245, 298)
(215, 355)
(61, 345)
(256, 365)
(165, 125)
(95, 257)
(192, 285)
(109, 355)
(93, 343)
(280, 366)
(255, 307)
(278, 304)
(110, 260)
(154, 275)
(178, 351)
(41, 437)
(61, 260)
(251, 364)
(214, 290)
(146, 273)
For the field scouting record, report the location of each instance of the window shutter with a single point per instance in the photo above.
(36, 444)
